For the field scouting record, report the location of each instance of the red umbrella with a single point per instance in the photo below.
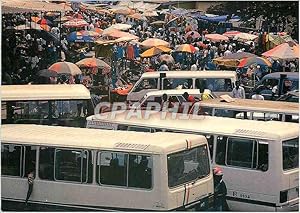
(231, 34)
(288, 50)
(76, 23)
(194, 34)
(254, 60)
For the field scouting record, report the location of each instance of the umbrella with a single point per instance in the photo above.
(97, 30)
(44, 22)
(78, 16)
(124, 11)
(118, 34)
(80, 37)
(201, 44)
(89, 33)
(231, 34)
(254, 60)
(167, 58)
(186, 48)
(239, 55)
(158, 23)
(33, 26)
(154, 51)
(92, 63)
(194, 34)
(245, 37)
(35, 19)
(216, 37)
(76, 23)
(154, 42)
(150, 13)
(47, 73)
(65, 68)
(138, 16)
(50, 14)
(289, 50)
(120, 26)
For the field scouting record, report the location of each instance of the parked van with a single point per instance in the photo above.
(274, 85)
(219, 82)
(49, 104)
(91, 169)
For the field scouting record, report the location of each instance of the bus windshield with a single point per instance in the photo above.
(188, 165)
(290, 154)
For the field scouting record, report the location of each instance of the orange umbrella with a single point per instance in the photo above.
(216, 37)
(154, 42)
(155, 51)
(65, 68)
(35, 19)
(92, 63)
(186, 48)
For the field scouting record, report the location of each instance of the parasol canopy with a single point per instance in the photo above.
(216, 37)
(81, 36)
(97, 30)
(154, 42)
(289, 50)
(231, 34)
(155, 51)
(33, 26)
(118, 34)
(76, 23)
(92, 63)
(254, 60)
(123, 11)
(149, 13)
(120, 27)
(167, 58)
(245, 37)
(65, 68)
(194, 34)
(138, 16)
(185, 48)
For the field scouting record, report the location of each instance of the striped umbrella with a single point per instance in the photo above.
(92, 63)
(65, 68)
(185, 48)
(254, 60)
(76, 23)
(155, 51)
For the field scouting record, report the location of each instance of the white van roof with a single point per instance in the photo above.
(44, 92)
(252, 105)
(70, 137)
(205, 124)
(173, 92)
(192, 74)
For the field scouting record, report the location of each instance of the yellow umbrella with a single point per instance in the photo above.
(154, 42)
(155, 51)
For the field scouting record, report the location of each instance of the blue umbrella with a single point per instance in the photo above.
(79, 37)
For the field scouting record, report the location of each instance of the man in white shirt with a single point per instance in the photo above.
(238, 91)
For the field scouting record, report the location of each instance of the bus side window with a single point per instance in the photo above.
(221, 150)
(30, 159)
(146, 84)
(122, 127)
(11, 158)
(140, 171)
(46, 163)
(113, 168)
(263, 157)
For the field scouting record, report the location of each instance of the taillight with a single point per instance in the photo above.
(283, 196)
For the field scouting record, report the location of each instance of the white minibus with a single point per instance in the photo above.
(249, 109)
(88, 169)
(219, 82)
(259, 158)
(49, 104)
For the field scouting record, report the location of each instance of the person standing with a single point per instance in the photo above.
(30, 178)
(220, 190)
(238, 91)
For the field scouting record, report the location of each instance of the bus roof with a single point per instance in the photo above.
(192, 74)
(205, 124)
(44, 92)
(70, 137)
(173, 92)
(252, 105)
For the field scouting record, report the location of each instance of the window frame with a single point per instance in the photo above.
(21, 163)
(81, 169)
(254, 141)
